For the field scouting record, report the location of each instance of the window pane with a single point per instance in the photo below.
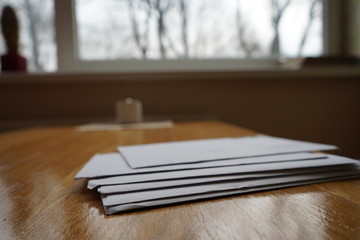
(37, 41)
(198, 29)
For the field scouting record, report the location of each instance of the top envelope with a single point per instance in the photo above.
(160, 154)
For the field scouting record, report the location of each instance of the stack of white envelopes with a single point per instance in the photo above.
(151, 175)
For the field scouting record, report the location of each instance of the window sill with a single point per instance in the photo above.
(106, 77)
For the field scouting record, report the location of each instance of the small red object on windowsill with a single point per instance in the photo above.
(13, 62)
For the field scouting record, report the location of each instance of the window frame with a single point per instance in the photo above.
(69, 61)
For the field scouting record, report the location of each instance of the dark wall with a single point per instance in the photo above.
(304, 105)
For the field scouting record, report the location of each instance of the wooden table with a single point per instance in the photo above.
(40, 200)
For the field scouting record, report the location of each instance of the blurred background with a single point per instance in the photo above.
(288, 68)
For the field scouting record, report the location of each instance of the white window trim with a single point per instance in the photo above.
(69, 61)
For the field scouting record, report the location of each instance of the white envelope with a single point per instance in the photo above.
(131, 187)
(111, 164)
(226, 170)
(169, 153)
(125, 198)
(181, 199)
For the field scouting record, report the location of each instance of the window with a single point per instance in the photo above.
(198, 29)
(37, 39)
(162, 35)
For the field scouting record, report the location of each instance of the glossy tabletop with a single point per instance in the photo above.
(39, 199)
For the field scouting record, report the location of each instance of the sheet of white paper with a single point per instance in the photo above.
(160, 154)
(131, 187)
(95, 127)
(124, 198)
(181, 199)
(226, 170)
(111, 164)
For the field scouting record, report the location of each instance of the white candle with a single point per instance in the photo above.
(129, 111)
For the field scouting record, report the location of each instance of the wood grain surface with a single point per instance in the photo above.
(40, 200)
